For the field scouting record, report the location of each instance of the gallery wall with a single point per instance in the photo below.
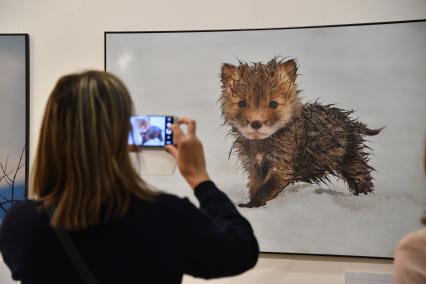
(67, 36)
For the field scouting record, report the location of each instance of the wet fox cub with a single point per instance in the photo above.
(280, 140)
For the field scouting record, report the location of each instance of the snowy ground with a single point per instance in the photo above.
(323, 219)
(312, 219)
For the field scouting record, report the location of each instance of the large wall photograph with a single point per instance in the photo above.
(317, 134)
(13, 119)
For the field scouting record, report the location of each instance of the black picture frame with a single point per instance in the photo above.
(107, 33)
(26, 38)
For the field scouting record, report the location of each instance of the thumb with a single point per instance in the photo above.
(171, 150)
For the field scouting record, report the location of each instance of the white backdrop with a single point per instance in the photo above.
(377, 70)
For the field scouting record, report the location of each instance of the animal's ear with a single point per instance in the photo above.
(289, 67)
(229, 74)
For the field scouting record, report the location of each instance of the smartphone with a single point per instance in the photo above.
(151, 131)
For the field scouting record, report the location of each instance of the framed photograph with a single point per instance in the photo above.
(14, 119)
(317, 134)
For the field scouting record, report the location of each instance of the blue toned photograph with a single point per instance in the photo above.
(13, 119)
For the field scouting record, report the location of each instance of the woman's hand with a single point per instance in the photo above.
(188, 153)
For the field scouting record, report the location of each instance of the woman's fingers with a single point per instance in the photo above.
(190, 123)
(189, 154)
(177, 133)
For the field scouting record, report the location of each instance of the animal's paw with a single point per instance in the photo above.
(252, 204)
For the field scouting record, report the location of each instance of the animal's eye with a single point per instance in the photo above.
(242, 103)
(273, 104)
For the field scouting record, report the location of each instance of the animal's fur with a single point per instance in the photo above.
(148, 131)
(280, 141)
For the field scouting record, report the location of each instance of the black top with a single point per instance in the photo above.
(155, 242)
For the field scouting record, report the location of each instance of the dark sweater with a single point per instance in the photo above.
(155, 242)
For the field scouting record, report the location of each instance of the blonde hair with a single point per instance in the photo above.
(82, 166)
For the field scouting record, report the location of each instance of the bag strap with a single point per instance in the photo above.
(72, 253)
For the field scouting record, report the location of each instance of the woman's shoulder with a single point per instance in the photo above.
(165, 204)
(24, 212)
(167, 200)
(410, 257)
(171, 198)
(414, 240)
(22, 207)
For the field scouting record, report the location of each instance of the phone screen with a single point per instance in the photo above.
(151, 131)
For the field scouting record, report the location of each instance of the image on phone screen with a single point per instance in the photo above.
(151, 131)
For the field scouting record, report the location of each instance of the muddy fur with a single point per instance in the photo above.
(279, 140)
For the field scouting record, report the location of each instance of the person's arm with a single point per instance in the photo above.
(215, 241)
(410, 259)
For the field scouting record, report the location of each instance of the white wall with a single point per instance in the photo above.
(67, 36)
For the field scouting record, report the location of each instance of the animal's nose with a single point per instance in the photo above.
(256, 124)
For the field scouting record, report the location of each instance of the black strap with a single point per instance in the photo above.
(73, 254)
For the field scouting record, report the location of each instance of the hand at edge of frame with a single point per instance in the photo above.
(188, 152)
